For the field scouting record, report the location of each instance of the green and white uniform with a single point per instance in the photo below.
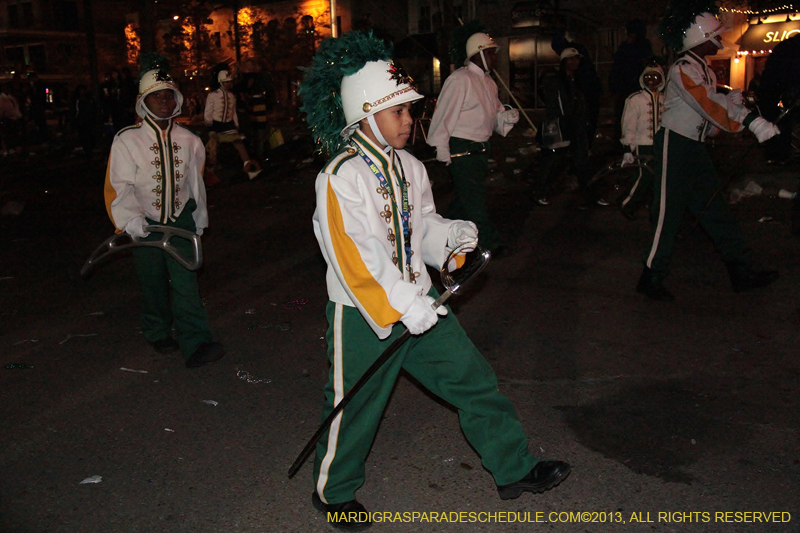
(376, 269)
(157, 174)
(685, 177)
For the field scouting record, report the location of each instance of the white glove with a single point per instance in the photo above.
(627, 159)
(511, 116)
(462, 232)
(763, 129)
(443, 156)
(735, 97)
(421, 317)
(135, 227)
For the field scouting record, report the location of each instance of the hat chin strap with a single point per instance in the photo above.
(155, 117)
(483, 60)
(376, 130)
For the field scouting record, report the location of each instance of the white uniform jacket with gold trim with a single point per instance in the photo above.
(220, 107)
(153, 172)
(641, 118)
(693, 107)
(359, 229)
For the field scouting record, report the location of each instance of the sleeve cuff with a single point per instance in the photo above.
(750, 118)
(402, 295)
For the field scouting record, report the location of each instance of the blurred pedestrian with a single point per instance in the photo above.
(10, 122)
(566, 103)
(587, 79)
(222, 122)
(84, 118)
(38, 108)
(155, 177)
(629, 60)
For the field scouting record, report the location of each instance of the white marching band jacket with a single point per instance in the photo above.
(153, 172)
(359, 229)
(641, 117)
(221, 107)
(693, 108)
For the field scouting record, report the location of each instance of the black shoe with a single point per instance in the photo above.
(744, 278)
(545, 475)
(206, 353)
(167, 345)
(348, 516)
(650, 284)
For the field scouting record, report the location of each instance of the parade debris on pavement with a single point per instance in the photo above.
(70, 336)
(133, 370)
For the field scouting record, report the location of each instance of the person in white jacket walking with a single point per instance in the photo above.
(222, 122)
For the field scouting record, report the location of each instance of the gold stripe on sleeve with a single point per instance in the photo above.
(366, 289)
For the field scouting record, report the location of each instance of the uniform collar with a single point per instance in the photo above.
(152, 123)
(476, 69)
(374, 151)
(696, 57)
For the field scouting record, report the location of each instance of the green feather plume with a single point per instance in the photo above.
(458, 40)
(680, 14)
(321, 85)
(152, 61)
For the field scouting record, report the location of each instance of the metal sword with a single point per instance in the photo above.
(460, 154)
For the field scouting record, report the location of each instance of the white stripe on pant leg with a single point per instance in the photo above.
(663, 202)
(338, 394)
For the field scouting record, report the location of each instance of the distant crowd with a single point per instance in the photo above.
(34, 112)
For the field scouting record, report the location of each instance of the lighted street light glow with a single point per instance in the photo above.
(176, 17)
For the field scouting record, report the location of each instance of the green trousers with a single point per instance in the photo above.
(170, 292)
(469, 201)
(685, 178)
(445, 362)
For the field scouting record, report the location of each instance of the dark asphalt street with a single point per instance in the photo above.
(672, 414)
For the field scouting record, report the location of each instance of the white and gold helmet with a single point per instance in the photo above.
(706, 27)
(377, 86)
(477, 43)
(152, 81)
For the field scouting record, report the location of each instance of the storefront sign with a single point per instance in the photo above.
(765, 37)
(525, 14)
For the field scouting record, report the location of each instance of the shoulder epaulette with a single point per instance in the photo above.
(338, 159)
(126, 128)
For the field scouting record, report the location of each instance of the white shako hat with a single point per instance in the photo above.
(377, 86)
(152, 81)
(477, 43)
(706, 27)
